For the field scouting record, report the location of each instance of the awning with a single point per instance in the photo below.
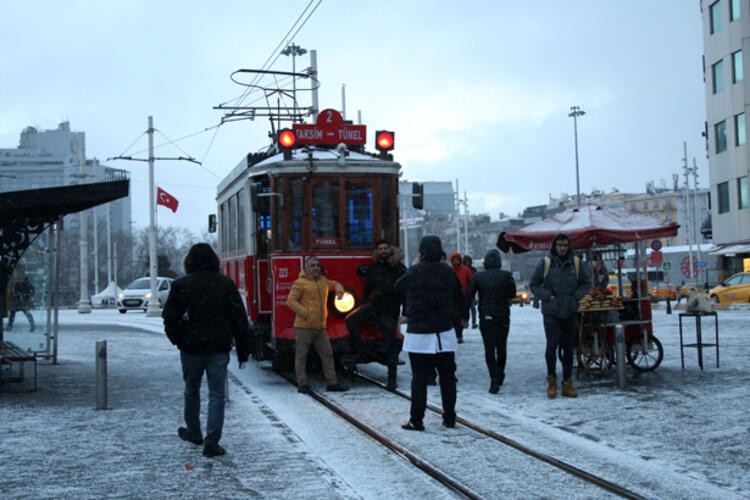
(730, 248)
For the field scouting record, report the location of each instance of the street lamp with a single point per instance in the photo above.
(294, 51)
(575, 112)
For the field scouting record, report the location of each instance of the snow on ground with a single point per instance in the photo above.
(672, 432)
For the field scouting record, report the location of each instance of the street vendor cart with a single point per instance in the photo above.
(592, 226)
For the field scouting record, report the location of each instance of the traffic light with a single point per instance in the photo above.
(385, 141)
(286, 140)
(417, 195)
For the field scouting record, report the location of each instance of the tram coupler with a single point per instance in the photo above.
(620, 353)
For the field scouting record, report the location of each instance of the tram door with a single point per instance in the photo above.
(262, 235)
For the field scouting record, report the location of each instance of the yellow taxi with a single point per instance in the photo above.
(663, 291)
(736, 288)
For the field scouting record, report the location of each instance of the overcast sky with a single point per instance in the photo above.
(478, 91)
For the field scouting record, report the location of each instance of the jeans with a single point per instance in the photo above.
(495, 338)
(563, 332)
(215, 366)
(423, 368)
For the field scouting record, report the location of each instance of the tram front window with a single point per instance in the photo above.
(325, 214)
(359, 215)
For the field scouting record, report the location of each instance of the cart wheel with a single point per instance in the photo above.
(645, 358)
(591, 361)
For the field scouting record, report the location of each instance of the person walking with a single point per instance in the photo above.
(496, 289)
(432, 294)
(469, 262)
(21, 299)
(203, 316)
(380, 306)
(464, 275)
(308, 298)
(560, 281)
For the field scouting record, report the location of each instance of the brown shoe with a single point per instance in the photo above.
(551, 386)
(567, 389)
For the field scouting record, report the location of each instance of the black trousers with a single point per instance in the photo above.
(560, 332)
(423, 368)
(386, 324)
(495, 337)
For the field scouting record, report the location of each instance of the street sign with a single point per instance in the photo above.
(702, 264)
(656, 245)
(330, 129)
(666, 265)
(656, 258)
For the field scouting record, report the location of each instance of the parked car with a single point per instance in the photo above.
(663, 291)
(736, 288)
(137, 295)
(523, 296)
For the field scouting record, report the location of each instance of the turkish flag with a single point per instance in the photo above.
(166, 199)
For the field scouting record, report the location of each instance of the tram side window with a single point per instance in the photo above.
(232, 223)
(295, 215)
(359, 215)
(325, 214)
(241, 219)
(264, 229)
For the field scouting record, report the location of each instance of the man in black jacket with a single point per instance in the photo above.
(432, 295)
(203, 316)
(381, 305)
(496, 290)
(560, 281)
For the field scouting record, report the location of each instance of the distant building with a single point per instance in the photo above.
(726, 27)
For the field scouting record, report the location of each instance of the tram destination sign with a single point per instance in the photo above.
(330, 128)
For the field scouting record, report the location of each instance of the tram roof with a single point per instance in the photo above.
(300, 159)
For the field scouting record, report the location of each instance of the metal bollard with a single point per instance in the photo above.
(101, 374)
(620, 353)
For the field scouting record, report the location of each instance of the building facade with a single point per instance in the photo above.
(726, 42)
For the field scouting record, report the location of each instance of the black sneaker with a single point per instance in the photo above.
(460, 340)
(337, 388)
(450, 424)
(183, 433)
(213, 450)
(412, 426)
(304, 389)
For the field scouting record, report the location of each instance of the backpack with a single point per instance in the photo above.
(548, 263)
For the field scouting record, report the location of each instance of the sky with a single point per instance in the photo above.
(477, 94)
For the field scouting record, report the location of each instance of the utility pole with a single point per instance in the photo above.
(696, 215)
(153, 305)
(688, 212)
(575, 112)
(466, 224)
(458, 220)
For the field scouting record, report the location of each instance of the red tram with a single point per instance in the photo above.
(317, 192)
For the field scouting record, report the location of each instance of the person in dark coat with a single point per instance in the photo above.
(432, 294)
(496, 289)
(559, 289)
(21, 299)
(203, 316)
(381, 305)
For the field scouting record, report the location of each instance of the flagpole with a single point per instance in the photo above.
(153, 304)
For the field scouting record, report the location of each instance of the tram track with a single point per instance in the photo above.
(453, 484)
(557, 463)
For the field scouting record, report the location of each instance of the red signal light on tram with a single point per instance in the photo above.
(385, 140)
(287, 138)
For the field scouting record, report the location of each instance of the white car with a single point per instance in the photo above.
(137, 295)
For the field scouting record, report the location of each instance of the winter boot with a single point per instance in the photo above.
(551, 386)
(494, 385)
(567, 389)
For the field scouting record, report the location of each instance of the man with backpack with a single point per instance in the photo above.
(560, 282)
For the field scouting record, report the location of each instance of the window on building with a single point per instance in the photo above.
(722, 195)
(742, 194)
(645, 205)
(734, 10)
(717, 71)
(656, 204)
(739, 129)
(720, 136)
(738, 72)
(715, 16)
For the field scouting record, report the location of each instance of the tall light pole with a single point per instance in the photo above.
(575, 112)
(294, 51)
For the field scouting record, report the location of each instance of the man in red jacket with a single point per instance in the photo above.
(464, 275)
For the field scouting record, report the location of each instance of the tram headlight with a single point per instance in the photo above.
(345, 304)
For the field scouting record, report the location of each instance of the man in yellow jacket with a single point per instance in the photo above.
(308, 299)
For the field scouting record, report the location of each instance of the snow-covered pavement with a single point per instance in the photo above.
(684, 432)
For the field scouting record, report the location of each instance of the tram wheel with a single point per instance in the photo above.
(594, 360)
(645, 358)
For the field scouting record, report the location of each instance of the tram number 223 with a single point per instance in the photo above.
(283, 272)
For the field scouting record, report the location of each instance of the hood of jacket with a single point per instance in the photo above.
(492, 260)
(431, 248)
(454, 255)
(553, 248)
(396, 256)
